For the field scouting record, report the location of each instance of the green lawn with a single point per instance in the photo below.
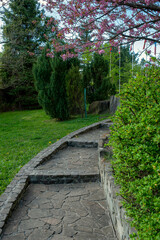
(23, 134)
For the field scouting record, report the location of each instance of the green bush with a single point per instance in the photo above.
(135, 138)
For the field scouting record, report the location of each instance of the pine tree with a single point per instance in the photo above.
(50, 81)
(22, 33)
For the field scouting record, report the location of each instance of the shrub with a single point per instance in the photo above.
(135, 138)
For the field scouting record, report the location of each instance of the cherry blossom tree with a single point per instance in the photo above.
(115, 21)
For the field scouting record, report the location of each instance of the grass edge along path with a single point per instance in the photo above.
(24, 134)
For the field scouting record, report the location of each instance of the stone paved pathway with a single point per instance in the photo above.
(76, 211)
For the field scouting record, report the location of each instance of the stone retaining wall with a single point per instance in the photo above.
(117, 212)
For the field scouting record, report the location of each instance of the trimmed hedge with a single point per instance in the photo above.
(135, 138)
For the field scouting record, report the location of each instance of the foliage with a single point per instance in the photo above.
(87, 75)
(21, 34)
(135, 138)
(113, 21)
(50, 81)
(42, 71)
(126, 57)
(58, 86)
(24, 134)
(74, 90)
(96, 79)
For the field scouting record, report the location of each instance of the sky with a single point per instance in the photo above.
(138, 46)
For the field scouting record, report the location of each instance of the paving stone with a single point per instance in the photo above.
(71, 218)
(104, 221)
(47, 205)
(108, 231)
(39, 213)
(39, 202)
(83, 229)
(57, 204)
(52, 221)
(19, 236)
(40, 234)
(58, 237)
(87, 222)
(30, 224)
(68, 231)
(57, 229)
(81, 212)
(89, 236)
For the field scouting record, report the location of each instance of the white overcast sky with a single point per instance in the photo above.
(138, 46)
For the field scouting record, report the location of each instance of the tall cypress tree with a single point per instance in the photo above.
(75, 91)
(42, 71)
(58, 84)
(22, 33)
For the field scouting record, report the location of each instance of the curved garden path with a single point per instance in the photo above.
(64, 198)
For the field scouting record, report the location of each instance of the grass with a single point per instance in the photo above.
(25, 133)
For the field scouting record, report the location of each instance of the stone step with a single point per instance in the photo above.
(92, 135)
(60, 178)
(70, 160)
(82, 143)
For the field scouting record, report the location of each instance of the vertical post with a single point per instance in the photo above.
(132, 58)
(110, 60)
(155, 50)
(85, 107)
(119, 51)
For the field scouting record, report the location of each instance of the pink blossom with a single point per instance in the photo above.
(149, 52)
(101, 51)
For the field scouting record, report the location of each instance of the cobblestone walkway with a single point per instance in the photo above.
(76, 211)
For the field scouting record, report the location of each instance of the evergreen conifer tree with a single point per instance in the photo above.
(95, 74)
(58, 86)
(21, 33)
(74, 91)
(50, 81)
(42, 71)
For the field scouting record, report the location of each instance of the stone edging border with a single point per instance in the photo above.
(14, 191)
(117, 211)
